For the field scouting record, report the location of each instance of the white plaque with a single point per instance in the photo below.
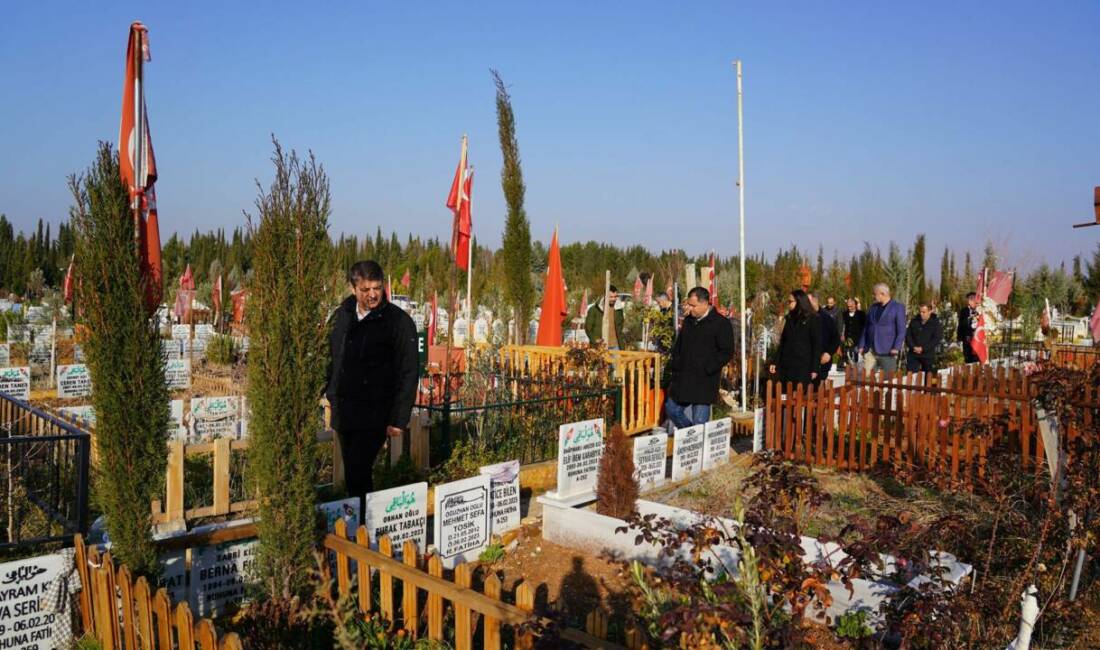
(580, 446)
(215, 417)
(481, 331)
(176, 428)
(758, 430)
(462, 520)
(177, 374)
(73, 381)
(649, 459)
(219, 574)
(687, 451)
(84, 415)
(504, 506)
(173, 575)
(717, 449)
(5, 354)
(171, 349)
(204, 331)
(16, 382)
(181, 331)
(401, 513)
(33, 602)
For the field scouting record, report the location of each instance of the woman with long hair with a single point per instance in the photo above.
(798, 358)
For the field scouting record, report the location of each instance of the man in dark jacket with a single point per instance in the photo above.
(968, 325)
(593, 322)
(830, 340)
(923, 338)
(371, 373)
(831, 310)
(703, 347)
(854, 320)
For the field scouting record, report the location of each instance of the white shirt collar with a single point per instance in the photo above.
(361, 314)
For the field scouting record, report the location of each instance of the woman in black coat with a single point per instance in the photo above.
(799, 356)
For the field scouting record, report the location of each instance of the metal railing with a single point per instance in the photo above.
(44, 476)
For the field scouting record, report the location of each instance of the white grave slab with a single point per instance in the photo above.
(176, 427)
(504, 506)
(401, 513)
(649, 459)
(39, 354)
(5, 354)
(16, 381)
(580, 446)
(204, 331)
(33, 608)
(687, 451)
(83, 414)
(177, 373)
(219, 574)
(215, 417)
(173, 575)
(462, 519)
(758, 430)
(171, 349)
(73, 381)
(481, 331)
(717, 448)
(181, 331)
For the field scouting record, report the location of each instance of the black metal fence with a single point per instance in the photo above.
(44, 476)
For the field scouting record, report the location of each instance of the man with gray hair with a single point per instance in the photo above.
(885, 331)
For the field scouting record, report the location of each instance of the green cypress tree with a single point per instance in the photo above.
(945, 276)
(124, 360)
(518, 288)
(286, 365)
(920, 290)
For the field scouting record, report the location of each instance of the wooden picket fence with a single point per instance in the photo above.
(122, 613)
(413, 593)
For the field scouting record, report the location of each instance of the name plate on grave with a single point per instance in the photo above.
(649, 459)
(687, 451)
(219, 575)
(16, 382)
(177, 374)
(504, 506)
(73, 381)
(462, 519)
(717, 448)
(580, 446)
(33, 594)
(401, 513)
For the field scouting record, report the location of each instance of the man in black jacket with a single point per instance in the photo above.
(854, 320)
(703, 347)
(968, 324)
(923, 338)
(830, 339)
(371, 373)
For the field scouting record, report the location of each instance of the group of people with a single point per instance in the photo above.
(814, 337)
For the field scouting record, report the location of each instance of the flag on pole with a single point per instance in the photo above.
(238, 297)
(185, 295)
(978, 343)
(137, 164)
(216, 296)
(553, 299)
(432, 315)
(583, 310)
(713, 286)
(458, 200)
(638, 288)
(67, 287)
(649, 292)
(1000, 286)
(1094, 324)
(405, 279)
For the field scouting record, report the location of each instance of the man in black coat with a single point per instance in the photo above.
(372, 373)
(703, 347)
(854, 320)
(968, 324)
(830, 340)
(923, 338)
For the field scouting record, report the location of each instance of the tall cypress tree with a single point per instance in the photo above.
(518, 289)
(124, 360)
(920, 291)
(945, 276)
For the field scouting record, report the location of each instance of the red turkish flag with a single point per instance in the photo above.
(713, 287)
(458, 200)
(405, 279)
(432, 318)
(649, 292)
(1000, 286)
(137, 164)
(978, 343)
(67, 287)
(553, 299)
(238, 297)
(638, 288)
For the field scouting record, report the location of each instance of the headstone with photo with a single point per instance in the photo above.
(462, 519)
(215, 417)
(34, 602)
(687, 451)
(401, 513)
(219, 575)
(73, 381)
(333, 511)
(580, 446)
(177, 373)
(16, 381)
(717, 449)
(504, 505)
(649, 459)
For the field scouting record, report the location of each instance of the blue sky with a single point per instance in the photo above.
(864, 121)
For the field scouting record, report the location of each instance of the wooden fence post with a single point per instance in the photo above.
(409, 613)
(491, 626)
(385, 581)
(173, 506)
(463, 626)
(435, 601)
(221, 476)
(525, 600)
(362, 570)
(343, 580)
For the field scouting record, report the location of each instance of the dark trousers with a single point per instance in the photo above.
(358, 449)
(969, 355)
(919, 364)
(823, 373)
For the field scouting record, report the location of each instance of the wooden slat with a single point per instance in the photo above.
(362, 571)
(207, 635)
(162, 608)
(126, 602)
(490, 625)
(221, 476)
(343, 580)
(173, 503)
(463, 623)
(385, 580)
(86, 589)
(185, 627)
(143, 603)
(435, 600)
(525, 601)
(409, 612)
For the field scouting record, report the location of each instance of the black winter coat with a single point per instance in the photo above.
(854, 325)
(926, 336)
(830, 337)
(383, 367)
(967, 320)
(800, 349)
(703, 347)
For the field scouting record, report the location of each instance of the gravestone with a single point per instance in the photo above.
(16, 381)
(687, 451)
(580, 446)
(196, 346)
(176, 427)
(34, 602)
(461, 330)
(215, 417)
(462, 519)
(84, 415)
(177, 374)
(504, 500)
(171, 349)
(5, 354)
(73, 381)
(173, 575)
(246, 415)
(39, 354)
(204, 331)
(78, 353)
(181, 332)
(219, 575)
(649, 459)
(401, 513)
(481, 330)
(717, 448)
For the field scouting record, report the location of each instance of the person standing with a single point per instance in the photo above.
(885, 331)
(372, 374)
(702, 348)
(830, 310)
(968, 325)
(798, 358)
(593, 322)
(923, 339)
(663, 342)
(830, 340)
(854, 320)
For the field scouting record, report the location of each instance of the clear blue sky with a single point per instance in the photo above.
(864, 121)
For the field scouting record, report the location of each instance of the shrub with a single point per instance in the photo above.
(221, 350)
(124, 360)
(286, 366)
(616, 484)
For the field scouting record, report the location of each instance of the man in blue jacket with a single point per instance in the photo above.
(885, 331)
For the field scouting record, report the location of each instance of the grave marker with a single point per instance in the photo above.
(717, 448)
(34, 609)
(504, 505)
(16, 381)
(218, 576)
(171, 349)
(181, 331)
(73, 381)
(687, 451)
(173, 575)
(176, 427)
(177, 373)
(401, 513)
(580, 446)
(204, 331)
(649, 459)
(215, 417)
(5, 354)
(83, 414)
(462, 519)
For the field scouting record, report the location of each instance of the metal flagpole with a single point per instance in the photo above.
(138, 139)
(741, 193)
(470, 265)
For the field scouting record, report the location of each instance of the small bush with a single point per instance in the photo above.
(853, 625)
(492, 554)
(616, 485)
(221, 350)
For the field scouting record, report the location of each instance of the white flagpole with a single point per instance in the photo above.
(470, 265)
(741, 197)
(138, 140)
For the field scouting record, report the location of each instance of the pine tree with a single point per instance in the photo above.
(945, 277)
(518, 288)
(920, 290)
(124, 359)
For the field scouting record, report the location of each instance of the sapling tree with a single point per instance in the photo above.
(123, 353)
